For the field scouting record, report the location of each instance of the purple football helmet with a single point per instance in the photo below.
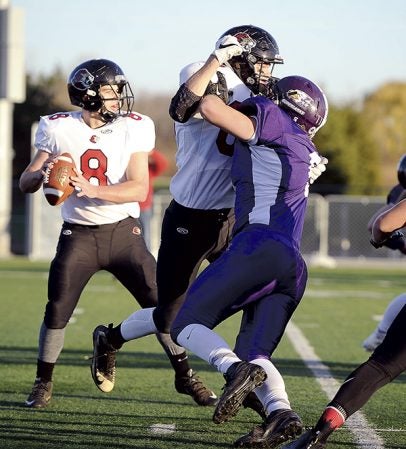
(85, 81)
(303, 100)
(259, 47)
(402, 171)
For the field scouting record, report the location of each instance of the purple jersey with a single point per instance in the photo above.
(271, 171)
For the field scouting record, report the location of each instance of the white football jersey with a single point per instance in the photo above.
(202, 180)
(102, 155)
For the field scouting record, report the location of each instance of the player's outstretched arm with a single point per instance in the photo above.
(388, 222)
(227, 118)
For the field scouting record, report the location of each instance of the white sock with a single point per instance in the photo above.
(272, 392)
(139, 324)
(207, 345)
(392, 312)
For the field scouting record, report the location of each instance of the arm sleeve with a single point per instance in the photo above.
(184, 104)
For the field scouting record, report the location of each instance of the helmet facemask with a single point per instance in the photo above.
(255, 65)
(255, 74)
(122, 96)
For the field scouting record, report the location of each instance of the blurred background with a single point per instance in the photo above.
(355, 50)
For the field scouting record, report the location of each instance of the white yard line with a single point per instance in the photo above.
(162, 429)
(364, 434)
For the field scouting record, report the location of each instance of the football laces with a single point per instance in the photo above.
(46, 175)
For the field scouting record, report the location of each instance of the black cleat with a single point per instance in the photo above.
(252, 402)
(103, 365)
(193, 386)
(309, 440)
(280, 426)
(241, 379)
(40, 395)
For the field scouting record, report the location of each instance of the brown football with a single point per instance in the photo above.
(56, 185)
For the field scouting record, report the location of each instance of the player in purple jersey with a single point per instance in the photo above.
(262, 273)
(386, 363)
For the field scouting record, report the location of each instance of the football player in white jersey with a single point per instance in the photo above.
(197, 224)
(110, 145)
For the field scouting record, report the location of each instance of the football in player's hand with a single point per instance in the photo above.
(56, 185)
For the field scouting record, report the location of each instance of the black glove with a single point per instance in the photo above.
(394, 241)
(220, 88)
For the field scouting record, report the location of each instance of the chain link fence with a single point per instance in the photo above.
(335, 229)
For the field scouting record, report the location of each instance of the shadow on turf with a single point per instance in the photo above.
(142, 360)
(116, 397)
(34, 426)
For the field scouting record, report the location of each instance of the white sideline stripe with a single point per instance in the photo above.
(364, 434)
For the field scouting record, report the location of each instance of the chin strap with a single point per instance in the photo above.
(108, 116)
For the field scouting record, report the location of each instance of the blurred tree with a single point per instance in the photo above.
(45, 95)
(385, 111)
(353, 155)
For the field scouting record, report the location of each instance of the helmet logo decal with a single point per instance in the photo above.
(94, 139)
(292, 106)
(304, 101)
(246, 41)
(82, 79)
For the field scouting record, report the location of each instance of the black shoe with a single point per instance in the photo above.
(252, 402)
(193, 386)
(40, 395)
(241, 379)
(281, 425)
(309, 440)
(103, 365)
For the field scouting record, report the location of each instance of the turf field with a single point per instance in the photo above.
(144, 411)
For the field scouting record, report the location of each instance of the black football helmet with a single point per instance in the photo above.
(84, 87)
(303, 100)
(402, 171)
(259, 47)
